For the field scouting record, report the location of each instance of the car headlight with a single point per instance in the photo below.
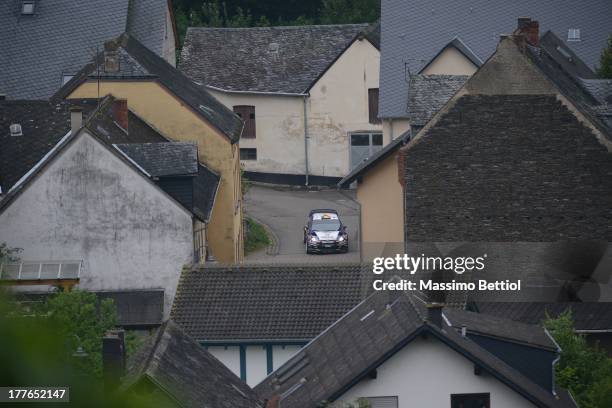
(341, 238)
(314, 238)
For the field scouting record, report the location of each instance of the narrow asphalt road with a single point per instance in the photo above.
(285, 212)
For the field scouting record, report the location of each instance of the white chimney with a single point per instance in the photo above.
(76, 119)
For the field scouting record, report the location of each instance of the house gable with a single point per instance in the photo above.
(454, 59)
(426, 372)
(92, 205)
(511, 129)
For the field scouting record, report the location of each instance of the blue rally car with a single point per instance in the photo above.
(324, 232)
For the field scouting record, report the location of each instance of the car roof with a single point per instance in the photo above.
(322, 210)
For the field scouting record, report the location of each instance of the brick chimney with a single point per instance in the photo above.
(434, 314)
(111, 57)
(113, 358)
(529, 29)
(76, 118)
(120, 113)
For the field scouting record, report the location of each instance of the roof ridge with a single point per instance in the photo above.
(284, 27)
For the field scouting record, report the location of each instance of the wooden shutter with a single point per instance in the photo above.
(373, 105)
(247, 113)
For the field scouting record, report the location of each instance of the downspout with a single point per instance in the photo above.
(306, 168)
(555, 361)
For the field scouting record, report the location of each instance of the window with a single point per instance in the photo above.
(27, 7)
(364, 145)
(373, 105)
(247, 113)
(573, 34)
(382, 402)
(248, 154)
(15, 129)
(471, 400)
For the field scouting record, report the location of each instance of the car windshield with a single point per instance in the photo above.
(326, 225)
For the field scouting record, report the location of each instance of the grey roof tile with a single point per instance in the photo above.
(264, 59)
(184, 369)
(587, 316)
(164, 159)
(428, 93)
(39, 49)
(413, 33)
(264, 302)
(370, 334)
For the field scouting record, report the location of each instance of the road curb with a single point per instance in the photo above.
(272, 249)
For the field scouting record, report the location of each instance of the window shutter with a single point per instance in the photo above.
(373, 105)
(247, 113)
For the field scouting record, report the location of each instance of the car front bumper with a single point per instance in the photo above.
(327, 246)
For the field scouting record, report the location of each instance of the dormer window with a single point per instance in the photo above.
(573, 34)
(27, 7)
(15, 129)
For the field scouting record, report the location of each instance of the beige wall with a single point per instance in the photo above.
(169, 46)
(337, 105)
(450, 62)
(392, 128)
(382, 217)
(171, 117)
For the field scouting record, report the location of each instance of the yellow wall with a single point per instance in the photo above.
(380, 196)
(172, 118)
(450, 62)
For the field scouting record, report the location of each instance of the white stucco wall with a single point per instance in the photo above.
(89, 205)
(337, 105)
(256, 359)
(228, 355)
(256, 364)
(425, 373)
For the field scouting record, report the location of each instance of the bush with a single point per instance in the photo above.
(256, 236)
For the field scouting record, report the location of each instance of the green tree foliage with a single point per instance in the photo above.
(605, 61)
(349, 11)
(583, 370)
(264, 13)
(37, 349)
(82, 322)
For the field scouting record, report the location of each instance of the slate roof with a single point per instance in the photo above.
(589, 96)
(412, 35)
(164, 159)
(427, 94)
(377, 157)
(366, 337)
(37, 50)
(265, 59)
(45, 124)
(589, 316)
(190, 375)
(259, 302)
(138, 62)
